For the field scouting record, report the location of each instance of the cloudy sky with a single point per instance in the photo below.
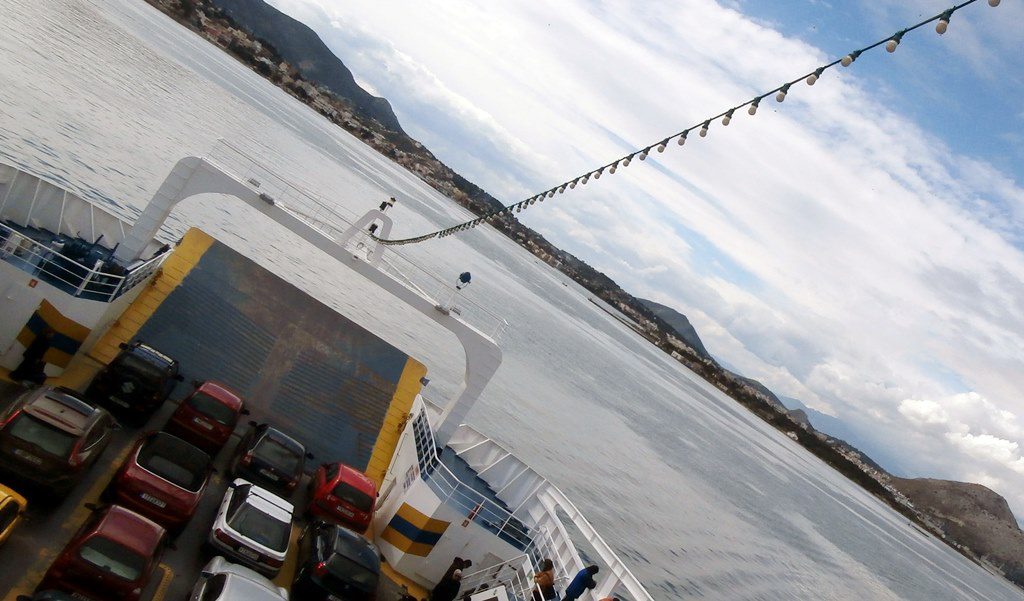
(858, 247)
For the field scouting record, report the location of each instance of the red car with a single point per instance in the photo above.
(207, 417)
(343, 495)
(113, 556)
(163, 479)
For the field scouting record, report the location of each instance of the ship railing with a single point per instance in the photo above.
(333, 220)
(454, 492)
(515, 574)
(81, 280)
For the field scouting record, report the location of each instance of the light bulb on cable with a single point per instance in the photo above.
(612, 168)
(753, 107)
(643, 155)
(661, 147)
(625, 162)
(597, 174)
(993, 3)
(943, 24)
(585, 179)
(573, 185)
(727, 118)
(682, 138)
(704, 130)
(813, 77)
(782, 93)
(849, 58)
(893, 42)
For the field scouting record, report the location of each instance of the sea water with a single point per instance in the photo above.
(701, 499)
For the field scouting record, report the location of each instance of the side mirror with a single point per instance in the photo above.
(206, 574)
(232, 484)
(245, 411)
(309, 455)
(196, 383)
(123, 346)
(179, 377)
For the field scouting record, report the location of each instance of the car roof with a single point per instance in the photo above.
(267, 502)
(353, 476)
(247, 589)
(148, 352)
(285, 440)
(222, 393)
(356, 547)
(61, 408)
(130, 529)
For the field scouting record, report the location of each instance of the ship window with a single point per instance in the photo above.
(425, 450)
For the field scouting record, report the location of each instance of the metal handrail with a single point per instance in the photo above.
(479, 508)
(71, 276)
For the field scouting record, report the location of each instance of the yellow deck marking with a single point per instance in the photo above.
(414, 589)
(165, 583)
(174, 270)
(291, 560)
(47, 553)
(394, 419)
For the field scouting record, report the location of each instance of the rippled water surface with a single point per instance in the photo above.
(701, 499)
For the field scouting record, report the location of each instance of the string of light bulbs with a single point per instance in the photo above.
(892, 42)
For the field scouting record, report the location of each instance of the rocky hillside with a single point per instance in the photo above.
(680, 324)
(974, 516)
(302, 47)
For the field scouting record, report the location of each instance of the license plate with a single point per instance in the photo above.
(249, 553)
(345, 512)
(155, 501)
(28, 457)
(117, 401)
(269, 474)
(202, 423)
(81, 596)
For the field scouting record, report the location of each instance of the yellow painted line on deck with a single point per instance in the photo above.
(34, 574)
(414, 589)
(174, 270)
(287, 574)
(165, 583)
(408, 387)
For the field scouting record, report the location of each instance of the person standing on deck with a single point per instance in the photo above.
(32, 365)
(448, 588)
(583, 581)
(545, 581)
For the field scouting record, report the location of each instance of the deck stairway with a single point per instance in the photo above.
(545, 510)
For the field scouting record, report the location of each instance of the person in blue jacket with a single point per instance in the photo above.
(583, 581)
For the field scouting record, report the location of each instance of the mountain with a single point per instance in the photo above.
(680, 324)
(302, 47)
(837, 429)
(974, 516)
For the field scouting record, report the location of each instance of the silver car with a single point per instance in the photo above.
(224, 581)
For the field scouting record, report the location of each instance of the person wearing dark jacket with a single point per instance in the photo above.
(32, 362)
(583, 581)
(448, 588)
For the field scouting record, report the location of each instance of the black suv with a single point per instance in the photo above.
(270, 458)
(136, 382)
(50, 437)
(335, 562)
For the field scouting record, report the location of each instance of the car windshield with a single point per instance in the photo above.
(49, 438)
(211, 407)
(345, 569)
(174, 460)
(150, 374)
(278, 455)
(113, 558)
(264, 529)
(354, 497)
